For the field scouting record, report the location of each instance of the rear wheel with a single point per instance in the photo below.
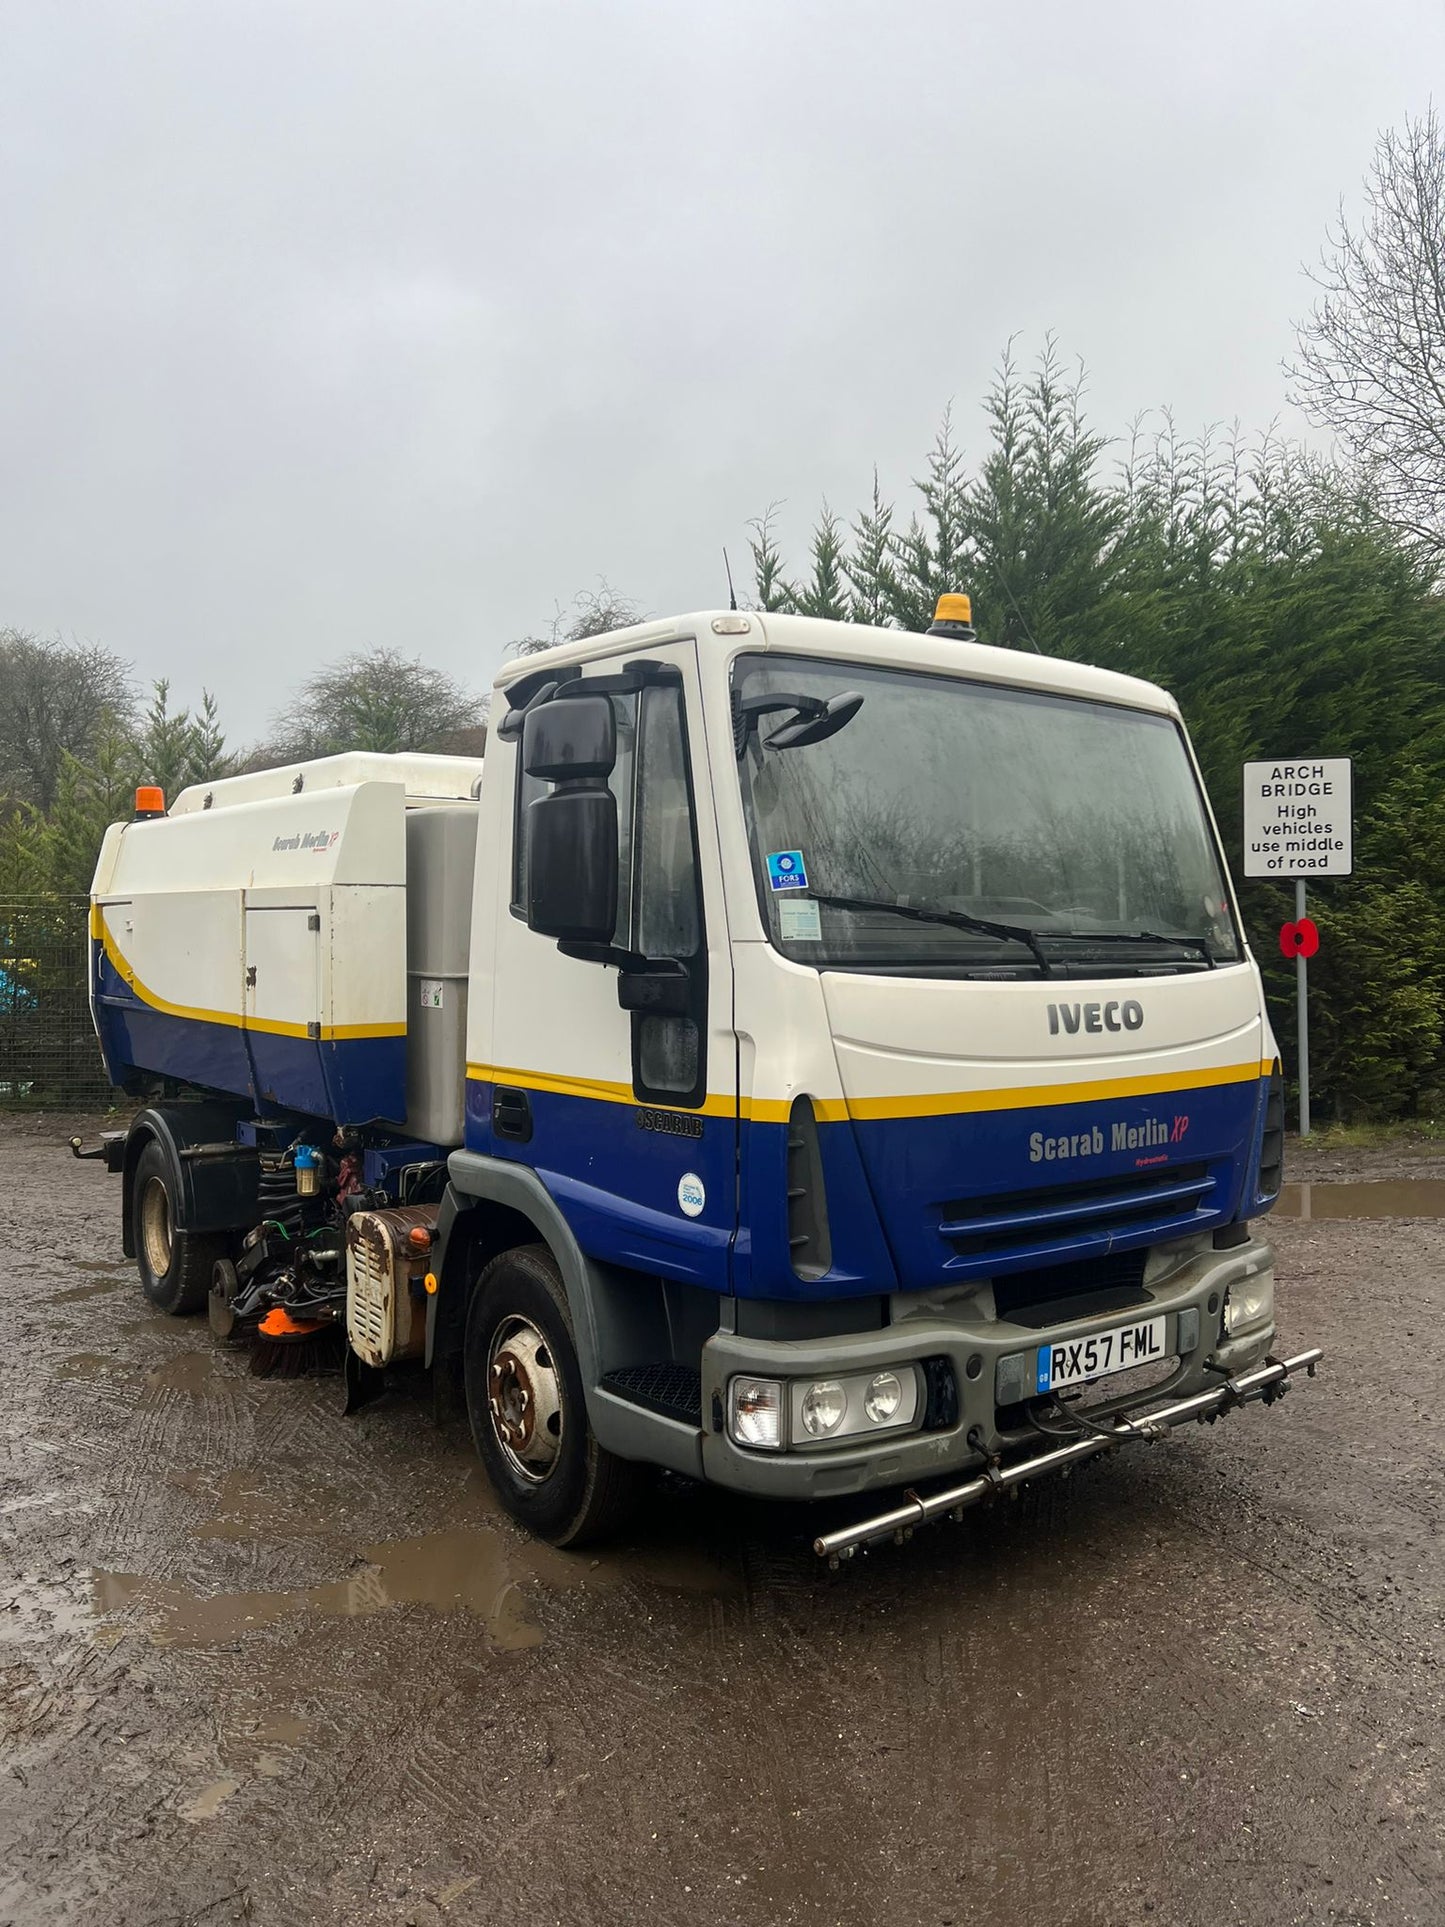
(175, 1266)
(527, 1411)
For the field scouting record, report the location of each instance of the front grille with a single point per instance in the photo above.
(1049, 1294)
(1089, 1216)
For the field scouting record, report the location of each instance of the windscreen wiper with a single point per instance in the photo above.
(952, 919)
(1201, 944)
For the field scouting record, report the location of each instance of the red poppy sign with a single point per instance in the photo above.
(1301, 939)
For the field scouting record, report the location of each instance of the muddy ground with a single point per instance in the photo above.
(261, 1663)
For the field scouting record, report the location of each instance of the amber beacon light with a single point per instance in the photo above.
(953, 616)
(150, 800)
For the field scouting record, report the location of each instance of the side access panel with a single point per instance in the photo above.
(282, 1006)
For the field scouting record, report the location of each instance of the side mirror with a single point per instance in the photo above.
(569, 740)
(571, 843)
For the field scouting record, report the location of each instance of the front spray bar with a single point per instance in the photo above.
(1268, 1382)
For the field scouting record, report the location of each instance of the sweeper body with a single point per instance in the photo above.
(815, 1059)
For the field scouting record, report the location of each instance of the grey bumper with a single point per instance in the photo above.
(1266, 1383)
(975, 1343)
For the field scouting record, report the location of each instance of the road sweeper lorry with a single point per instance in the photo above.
(817, 1059)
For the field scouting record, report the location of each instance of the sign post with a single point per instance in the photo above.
(1302, 1012)
(1299, 823)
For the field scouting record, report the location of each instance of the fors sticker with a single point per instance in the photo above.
(787, 871)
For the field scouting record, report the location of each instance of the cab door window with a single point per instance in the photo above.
(659, 900)
(666, 902)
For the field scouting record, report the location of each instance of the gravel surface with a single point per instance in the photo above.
(259, 1662)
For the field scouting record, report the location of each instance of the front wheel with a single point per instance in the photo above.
(527, 1410)
(174, 1265)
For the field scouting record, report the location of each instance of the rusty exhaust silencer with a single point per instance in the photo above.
(1267, 1382)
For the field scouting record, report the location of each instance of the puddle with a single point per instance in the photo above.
(42, 1611)
(94, 1365)
(463, 1568)
(96, 1290)
(466, 1568)
(1405, 1198)
(206, 1804)
(284, 1729)
(192, 1372)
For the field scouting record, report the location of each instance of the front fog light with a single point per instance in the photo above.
(824, 1406)
(883, 1398)
(1249, 1304)
(756, 1413)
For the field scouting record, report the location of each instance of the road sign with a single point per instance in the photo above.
(1298, 818)
(1300, 939)
(1299, 823)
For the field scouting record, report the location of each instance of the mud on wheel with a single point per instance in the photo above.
(527, 1410)
(175, 1265)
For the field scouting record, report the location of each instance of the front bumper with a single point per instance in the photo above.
(965, 1332)
(1266, 1383)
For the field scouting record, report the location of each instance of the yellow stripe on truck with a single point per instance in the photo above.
(945, 1103)
(235, 1020)
(834, 1110)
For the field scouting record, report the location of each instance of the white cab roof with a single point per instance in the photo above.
(855, 641)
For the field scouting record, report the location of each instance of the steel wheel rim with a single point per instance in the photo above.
(524, 1399)
(155, 1226)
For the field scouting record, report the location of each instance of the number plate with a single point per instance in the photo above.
(1077, 1360)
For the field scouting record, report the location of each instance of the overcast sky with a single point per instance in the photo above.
(325, 325)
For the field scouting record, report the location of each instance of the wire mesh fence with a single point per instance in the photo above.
(48, 1052)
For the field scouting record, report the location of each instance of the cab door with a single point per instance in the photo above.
(627, 1114)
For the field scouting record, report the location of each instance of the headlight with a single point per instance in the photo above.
(824, 1407)
(855, 1406)
(883, 1398)
(1249, 1304)
(755, 1415)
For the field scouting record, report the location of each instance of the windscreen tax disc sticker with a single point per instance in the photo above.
(798, 920)
(786, 870)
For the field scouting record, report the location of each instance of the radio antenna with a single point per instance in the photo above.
(732, 593)
(1028, 633)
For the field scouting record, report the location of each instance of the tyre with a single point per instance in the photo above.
(175, 1266)
(527, 1411)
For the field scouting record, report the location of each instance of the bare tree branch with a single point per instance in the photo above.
(1371, 364)
(591, 612)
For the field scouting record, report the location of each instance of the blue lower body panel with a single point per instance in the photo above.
(654, 1200)
(913, 1203)
(349, 1080)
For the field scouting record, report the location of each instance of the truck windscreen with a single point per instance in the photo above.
(960, 827)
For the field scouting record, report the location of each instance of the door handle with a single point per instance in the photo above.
(512, 1114)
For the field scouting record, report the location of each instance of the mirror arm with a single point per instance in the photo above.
(660, 985)
(631, 963)
(509, 729)
(610, 954)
